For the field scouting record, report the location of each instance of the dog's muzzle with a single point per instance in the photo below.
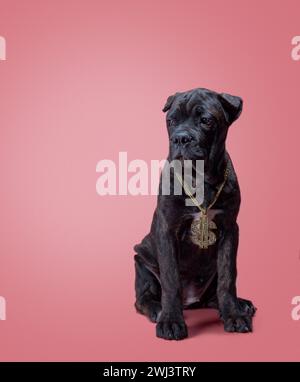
(184, 145)
(181, 139)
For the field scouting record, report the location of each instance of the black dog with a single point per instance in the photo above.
(172, 272)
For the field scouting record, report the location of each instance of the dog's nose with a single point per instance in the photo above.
(181, 138)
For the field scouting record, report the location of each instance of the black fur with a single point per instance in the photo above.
(172, 273)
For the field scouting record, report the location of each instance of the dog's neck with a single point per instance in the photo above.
(214, 167)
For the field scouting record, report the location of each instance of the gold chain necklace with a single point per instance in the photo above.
(201, 233)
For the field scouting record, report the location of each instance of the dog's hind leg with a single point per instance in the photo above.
(210, 300)
(247, 306)
(148, 291)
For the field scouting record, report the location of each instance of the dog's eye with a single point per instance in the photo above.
(171, 122)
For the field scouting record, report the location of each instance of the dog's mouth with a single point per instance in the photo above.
(191, 157)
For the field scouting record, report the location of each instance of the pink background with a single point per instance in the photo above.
(86, 79)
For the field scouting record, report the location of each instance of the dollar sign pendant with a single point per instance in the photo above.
(201, 233)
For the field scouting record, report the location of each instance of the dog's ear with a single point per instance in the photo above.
(232, 106)
(169, 103)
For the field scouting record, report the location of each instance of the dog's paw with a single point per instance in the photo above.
(171, 329)
(240, 323)
(152, 309)
(247, 306)
(236, 314)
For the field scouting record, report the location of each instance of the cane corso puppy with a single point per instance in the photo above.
(172, 272)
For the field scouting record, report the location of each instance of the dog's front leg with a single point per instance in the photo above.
(236, 319)
(171, 323)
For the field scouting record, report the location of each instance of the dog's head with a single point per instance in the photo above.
(197, 122)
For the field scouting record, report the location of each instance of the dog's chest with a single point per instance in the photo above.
(211, 214)
(197, 265)
(193, 221)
